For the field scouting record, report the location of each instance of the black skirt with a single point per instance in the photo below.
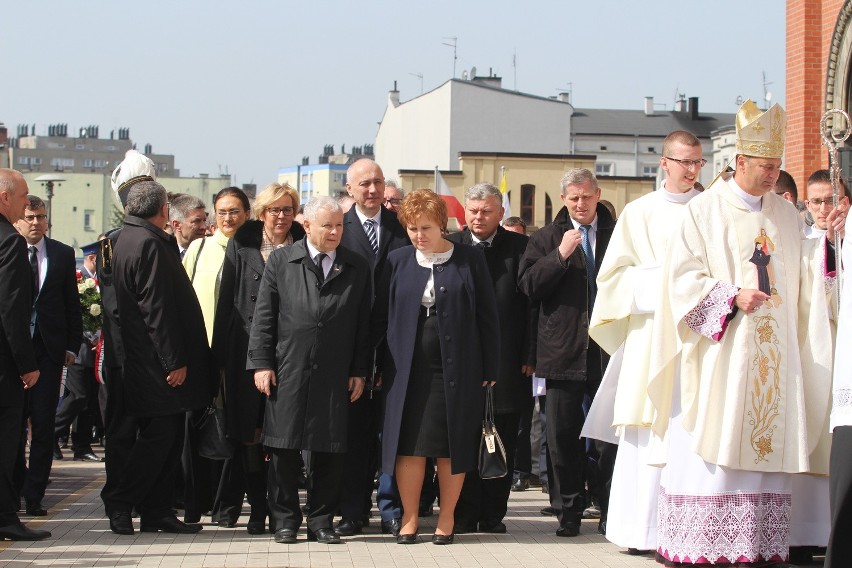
(423, 430)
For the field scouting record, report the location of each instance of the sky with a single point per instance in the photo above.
(249, 87)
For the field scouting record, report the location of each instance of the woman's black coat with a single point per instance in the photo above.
(241, 274)
(469, 337)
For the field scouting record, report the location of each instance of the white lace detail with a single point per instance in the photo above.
(731, 527)
(842, 397)
(706, 317)
(830, 282)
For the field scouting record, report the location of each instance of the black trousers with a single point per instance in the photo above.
(201, 476)
(324, 478)
(148, 478)
(121, 432)
(567, 455)
(244, 474)
(361, 461)
(81, 396)
(40, 408)
(839, 550)
(10, 426)
(485, 501)
(523, 453)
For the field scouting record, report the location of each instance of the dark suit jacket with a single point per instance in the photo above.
(162, 328)
(59, 322)
(503, 257)
(17, 356)
(469, 335)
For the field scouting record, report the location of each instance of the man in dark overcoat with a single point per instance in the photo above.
(18, 363)
(558, 271)
(372, 231)
(483, 502)
(166, 368)
(309, 348)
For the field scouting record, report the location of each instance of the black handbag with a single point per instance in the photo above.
(492, 454)
(213, 442)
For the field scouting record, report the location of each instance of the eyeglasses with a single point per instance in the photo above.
(31, 218)
(689, 163)
(229, 213)
(393, 201)
(820, 202)
(276, 211)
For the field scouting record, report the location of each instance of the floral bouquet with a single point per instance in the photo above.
(90, 303)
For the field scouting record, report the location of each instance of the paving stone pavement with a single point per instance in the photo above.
(81, 537)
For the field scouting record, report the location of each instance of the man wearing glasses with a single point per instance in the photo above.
(393, 195)
(628, 289)
(820, 202)
(56, 327)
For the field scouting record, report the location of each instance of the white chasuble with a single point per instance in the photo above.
(743, 396)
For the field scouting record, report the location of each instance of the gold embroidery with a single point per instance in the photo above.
(757, 127)
(766, 389)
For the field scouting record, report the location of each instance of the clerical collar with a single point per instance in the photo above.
(313, 252)
(489, 240)
(676, 197)
(752, 202)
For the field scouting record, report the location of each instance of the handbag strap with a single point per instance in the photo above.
(489, 404)
(197, 256)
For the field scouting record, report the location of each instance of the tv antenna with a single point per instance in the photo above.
(767, 96)
(454, 45)
(419, 76)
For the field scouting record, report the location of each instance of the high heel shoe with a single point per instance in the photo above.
(410, 538)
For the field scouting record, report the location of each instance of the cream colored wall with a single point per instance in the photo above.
(544, 173)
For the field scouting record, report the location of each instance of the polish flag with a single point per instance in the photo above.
(454, 206)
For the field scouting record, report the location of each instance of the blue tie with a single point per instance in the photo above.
(370, 228)
(590, 263)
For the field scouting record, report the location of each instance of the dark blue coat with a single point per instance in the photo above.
(470, 341)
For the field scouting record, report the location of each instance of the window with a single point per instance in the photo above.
(79, 146)
(35, 161)
(603, 169)
(603, 148)
(100, 163)
(88, 220)
(87, 163)
(651, 149)
(527, 203)
(649, 171)
(548, 210)
(62, 162)
(23, 160)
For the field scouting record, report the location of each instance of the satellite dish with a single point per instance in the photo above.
(768, 96)
(464, 75)
(473, 72)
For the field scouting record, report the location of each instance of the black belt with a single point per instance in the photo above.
(428, 312)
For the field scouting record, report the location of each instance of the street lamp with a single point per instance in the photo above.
(47, 180)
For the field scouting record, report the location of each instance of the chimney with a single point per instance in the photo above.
(393, 96)
(680, 104)
(564, 96)
(649, 106)
(693, 108)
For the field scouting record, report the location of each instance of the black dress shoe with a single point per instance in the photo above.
(17, 531)
(348, 527)
(256, 527)
(545, 488)
(88, 457)
(57, 452)
(285, 536)
(493, 528)
(168, 524)
(639, 551)
(521, 484)
(442, 539)
(120, 523)
(35, 508)
(602, 527)
(391, 527)
(406, 538)
(568, 529)
(227, 523)
(549, 512)
(324, 536)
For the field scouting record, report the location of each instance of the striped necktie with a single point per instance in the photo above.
(590, 262)
(370, 228)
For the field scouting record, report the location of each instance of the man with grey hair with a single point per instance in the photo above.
(166, 370)
(188, 219)
(558, 272)
(483, 502)
(19, 369)
(393, 195)
(309, 349)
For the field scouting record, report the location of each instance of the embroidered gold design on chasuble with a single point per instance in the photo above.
(765, 371)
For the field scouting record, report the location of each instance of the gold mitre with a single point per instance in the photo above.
(761, 133)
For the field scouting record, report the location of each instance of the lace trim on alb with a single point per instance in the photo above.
(726, 528)
(708, 316)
